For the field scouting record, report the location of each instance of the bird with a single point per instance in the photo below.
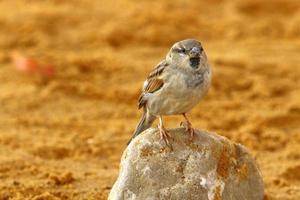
(174, 87)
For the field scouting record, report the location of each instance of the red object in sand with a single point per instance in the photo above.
(29, 66)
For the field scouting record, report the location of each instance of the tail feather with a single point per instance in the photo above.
(145, 123)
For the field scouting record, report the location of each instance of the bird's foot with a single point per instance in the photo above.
(164, 135)
(188, 128)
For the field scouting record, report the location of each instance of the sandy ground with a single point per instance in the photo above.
(62, 138)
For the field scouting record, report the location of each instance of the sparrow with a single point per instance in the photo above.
(174, 87)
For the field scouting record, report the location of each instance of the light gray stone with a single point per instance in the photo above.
(210, 167)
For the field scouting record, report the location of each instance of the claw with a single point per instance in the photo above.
(188, 126)
(164, 135)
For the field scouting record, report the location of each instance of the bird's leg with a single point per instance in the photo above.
(163, 132)
(188, 126)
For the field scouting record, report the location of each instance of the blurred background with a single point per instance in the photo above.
(71, 73)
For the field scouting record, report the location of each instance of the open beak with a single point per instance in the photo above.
(194, 55)
(194, 52)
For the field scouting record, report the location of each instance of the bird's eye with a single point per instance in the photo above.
(180, 51)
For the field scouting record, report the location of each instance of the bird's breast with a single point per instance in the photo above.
(179, 94)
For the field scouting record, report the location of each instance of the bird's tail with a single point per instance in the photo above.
(144, 123)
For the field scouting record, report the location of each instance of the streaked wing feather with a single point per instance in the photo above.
(153, 85)
(153, 82)
(157, 70)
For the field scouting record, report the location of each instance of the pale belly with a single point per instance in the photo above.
(176, 97)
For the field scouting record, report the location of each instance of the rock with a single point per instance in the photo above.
(208, 168)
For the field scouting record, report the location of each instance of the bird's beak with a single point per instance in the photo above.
(194, 52)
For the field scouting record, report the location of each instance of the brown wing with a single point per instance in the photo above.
(153, 82)
(153, 85)
(158, 70)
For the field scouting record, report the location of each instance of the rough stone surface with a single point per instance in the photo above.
(208, 168)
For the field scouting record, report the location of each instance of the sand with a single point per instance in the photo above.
(62, 138)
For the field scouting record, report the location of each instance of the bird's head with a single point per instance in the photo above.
(187, 53)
